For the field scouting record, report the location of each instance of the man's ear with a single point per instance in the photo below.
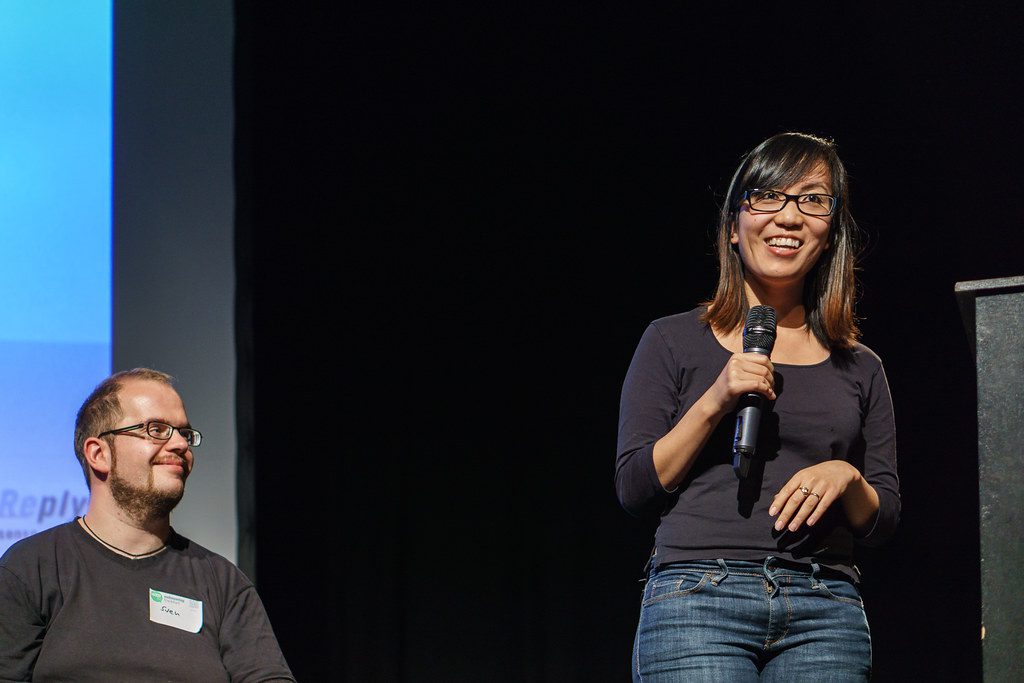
(98, 456)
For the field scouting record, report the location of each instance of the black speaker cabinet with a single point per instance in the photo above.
(993, 313)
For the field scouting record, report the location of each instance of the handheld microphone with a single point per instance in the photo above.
(758, 337)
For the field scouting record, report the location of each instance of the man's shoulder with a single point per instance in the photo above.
(220, 565)
(186, 546)
(40, 544)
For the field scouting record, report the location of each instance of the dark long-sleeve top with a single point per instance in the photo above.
(839, 409)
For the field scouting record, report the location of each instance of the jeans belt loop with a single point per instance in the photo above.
(769, 574)
(722, 574)
(815, 581)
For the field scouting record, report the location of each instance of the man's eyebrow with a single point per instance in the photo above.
(187, 425)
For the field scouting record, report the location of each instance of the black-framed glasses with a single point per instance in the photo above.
(162, 432)
(771, 201)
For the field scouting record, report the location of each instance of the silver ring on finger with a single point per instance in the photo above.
(804, 490)
(812, 493)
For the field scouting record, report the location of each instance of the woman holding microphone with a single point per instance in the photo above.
(752, 576)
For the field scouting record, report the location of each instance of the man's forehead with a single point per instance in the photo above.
(148, 395)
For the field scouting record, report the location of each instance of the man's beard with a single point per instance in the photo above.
(142, 503)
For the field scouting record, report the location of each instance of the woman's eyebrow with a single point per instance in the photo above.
(814, 185)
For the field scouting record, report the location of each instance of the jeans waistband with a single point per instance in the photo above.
(770, 566)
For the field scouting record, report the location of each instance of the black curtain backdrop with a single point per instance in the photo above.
(458, 219)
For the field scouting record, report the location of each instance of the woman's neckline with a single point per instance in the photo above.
(775, 363)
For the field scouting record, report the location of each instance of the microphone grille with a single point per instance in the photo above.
(759, 330)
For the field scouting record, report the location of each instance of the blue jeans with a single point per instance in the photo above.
(728, 620)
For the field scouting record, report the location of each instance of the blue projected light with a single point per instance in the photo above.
(55, 218)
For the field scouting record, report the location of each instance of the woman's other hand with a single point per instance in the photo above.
(810, 493)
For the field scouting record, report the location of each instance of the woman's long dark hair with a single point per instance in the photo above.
(830, 287)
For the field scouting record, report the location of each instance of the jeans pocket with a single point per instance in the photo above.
(840, 591)
(674, 583)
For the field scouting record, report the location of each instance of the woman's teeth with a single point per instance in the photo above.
(788, 242)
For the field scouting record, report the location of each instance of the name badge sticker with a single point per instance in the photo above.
(174, 610)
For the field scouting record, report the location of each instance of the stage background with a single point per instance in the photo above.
(116, 216)
(173, 219)
(457, 221)
(55, 284)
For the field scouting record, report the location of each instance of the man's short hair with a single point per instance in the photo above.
(102, 409)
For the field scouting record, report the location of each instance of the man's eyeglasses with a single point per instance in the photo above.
(770, 201)
(162, 432)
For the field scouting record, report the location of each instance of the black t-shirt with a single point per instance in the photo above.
(70, 609)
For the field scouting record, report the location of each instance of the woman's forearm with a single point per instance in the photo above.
(860, 501)
(676, 452)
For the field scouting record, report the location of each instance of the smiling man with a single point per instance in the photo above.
(117, 594)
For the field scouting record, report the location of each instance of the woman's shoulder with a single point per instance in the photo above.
(858, 358)
(686, 322)
(685, 330)
(865, 354)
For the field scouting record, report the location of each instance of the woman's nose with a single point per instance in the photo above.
(789, 214)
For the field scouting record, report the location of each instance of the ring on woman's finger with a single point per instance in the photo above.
(812, 493)
(804, 490)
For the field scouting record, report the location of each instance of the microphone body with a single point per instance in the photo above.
(758, 337)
